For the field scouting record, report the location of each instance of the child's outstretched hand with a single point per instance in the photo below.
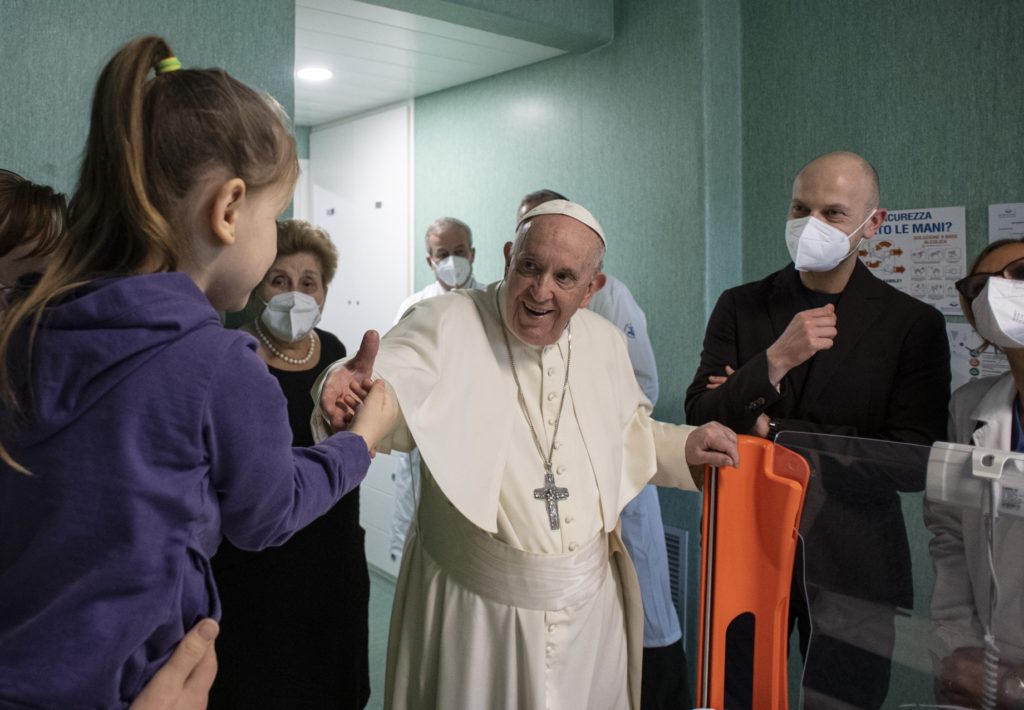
(375, 417)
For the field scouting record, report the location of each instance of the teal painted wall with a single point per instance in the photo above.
(302, 141)
(52, 52)
(723, 149)
(928, 90)
(618, 129)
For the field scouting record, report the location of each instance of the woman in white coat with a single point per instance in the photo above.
(986, 413)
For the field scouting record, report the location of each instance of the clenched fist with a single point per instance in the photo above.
(809, 331)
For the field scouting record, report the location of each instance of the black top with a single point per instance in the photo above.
(815, 299)
(294, 627)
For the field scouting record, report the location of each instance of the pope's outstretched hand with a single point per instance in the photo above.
(712, 444)
(348, 385)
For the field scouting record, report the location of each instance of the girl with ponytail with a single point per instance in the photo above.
(135, 431)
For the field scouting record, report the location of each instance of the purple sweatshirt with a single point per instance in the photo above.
(154, 432)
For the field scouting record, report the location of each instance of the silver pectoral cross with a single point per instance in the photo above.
(551, 494)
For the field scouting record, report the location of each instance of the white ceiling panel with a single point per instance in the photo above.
(380, 56)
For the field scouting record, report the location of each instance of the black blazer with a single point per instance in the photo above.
(886, 377)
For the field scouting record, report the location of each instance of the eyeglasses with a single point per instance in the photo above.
(970, 286)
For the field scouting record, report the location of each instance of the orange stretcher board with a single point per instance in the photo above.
(750, 524)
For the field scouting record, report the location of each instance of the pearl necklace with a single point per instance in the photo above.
(280, 355)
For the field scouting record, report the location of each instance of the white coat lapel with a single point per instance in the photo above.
(993, 415)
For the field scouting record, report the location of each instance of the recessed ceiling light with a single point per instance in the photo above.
(314, 74)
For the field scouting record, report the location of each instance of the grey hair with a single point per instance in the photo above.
(443, 224)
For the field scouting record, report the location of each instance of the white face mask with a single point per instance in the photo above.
(290, 316)
(817, 246)
(999, 312)
(453, 271)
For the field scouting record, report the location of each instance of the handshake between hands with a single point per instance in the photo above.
(352, 401)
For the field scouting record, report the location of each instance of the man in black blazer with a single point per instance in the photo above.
(823, 346)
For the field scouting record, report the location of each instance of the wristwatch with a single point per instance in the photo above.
(773, 428)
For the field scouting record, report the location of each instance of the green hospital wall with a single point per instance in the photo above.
(929, 91)
(52, 52)
(618, 129)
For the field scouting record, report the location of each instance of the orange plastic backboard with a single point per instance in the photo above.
(750, 525)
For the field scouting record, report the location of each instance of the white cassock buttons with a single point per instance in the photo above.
(572, 547)
(551, 396)
(551, 372)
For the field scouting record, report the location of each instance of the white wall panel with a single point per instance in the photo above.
(359, 173)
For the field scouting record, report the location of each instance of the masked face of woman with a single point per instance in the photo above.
(293, 292)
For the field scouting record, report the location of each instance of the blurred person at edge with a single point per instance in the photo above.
(33, 218)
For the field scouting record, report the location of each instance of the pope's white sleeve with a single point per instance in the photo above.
(670, 448)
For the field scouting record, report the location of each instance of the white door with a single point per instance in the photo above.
(360, 183)
(360, 172)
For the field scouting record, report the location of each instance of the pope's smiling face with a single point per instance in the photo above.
(551, 271)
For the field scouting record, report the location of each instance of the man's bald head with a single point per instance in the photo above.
(849, 171)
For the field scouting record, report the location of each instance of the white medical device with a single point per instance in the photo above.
(992, 482)
(973, 477)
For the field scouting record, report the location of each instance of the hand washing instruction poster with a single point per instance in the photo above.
(921, 252)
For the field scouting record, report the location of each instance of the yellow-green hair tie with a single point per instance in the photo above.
(168, 65)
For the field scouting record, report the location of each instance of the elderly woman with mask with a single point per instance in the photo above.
(966, 615)
(294, 626)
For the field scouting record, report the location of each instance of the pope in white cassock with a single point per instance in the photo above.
(515, 590)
